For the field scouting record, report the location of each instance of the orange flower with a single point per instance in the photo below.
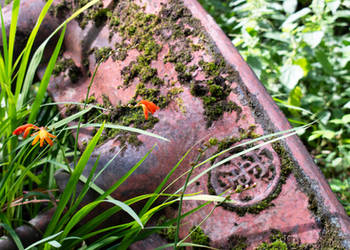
(25, 129)
(42, 134)
(148, 107)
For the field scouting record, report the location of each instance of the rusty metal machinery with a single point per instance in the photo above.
(173, 54)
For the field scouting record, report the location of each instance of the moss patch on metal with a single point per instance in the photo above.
(237, 242)
(140, 30)
(199, 237)
(69, 68)
(175, 26)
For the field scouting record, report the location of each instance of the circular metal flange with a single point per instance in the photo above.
(254, 175)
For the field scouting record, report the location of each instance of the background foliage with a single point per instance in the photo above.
(300, 51)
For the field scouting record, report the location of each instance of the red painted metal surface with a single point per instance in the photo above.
(184, 123)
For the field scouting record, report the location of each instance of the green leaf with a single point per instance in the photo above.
(13, 235)
(313, 38)
(72, 182)
(346, 118)
(43, 241)
(324, 116)
(322, 58)
(333, 5)
(255, 64)
(290, 6)
(12, 35)
(68, 119)
(295, 95)
(304, 64)
(54, 244)
(297, 15)
(46, 79)
(185, 244)
(131, 129)
(336, 162)
(347, 105)
(290, 76)
(318, 6)
(328, 134)
(22, 88)
(87, 209)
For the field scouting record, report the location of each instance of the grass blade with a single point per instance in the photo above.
(24, 62)
(130, 129)
(39, 52)
(12, 35)
(68, 119)
(46, 79)
(122, 179)
(234, 156)
(13, 235)
(4, 37)
(73, 180)
(46, 239)
(87, 208)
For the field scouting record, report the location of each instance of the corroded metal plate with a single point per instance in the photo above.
(173, 54)
(259, 169)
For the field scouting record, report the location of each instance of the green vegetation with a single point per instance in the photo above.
(199, 237)
(27, 184)
(300, 51)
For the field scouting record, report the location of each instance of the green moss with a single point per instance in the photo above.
(169, 232)
(213, 141)
(175, 91)
(216, 90)
(126, 115)
(142, 31)
(61, 9)
(106, 102)
(91, 99)
(62, 65)
(329, 236)
(237, 243)
(121, 52)
(180, 67)
(100, 16)
(151, 94)
(147, 73)
(141, 68)
(102, 54)
(71, 109)
(96, 13)
(86, 63)
(198, 89)
(115, 21)
(276, 245)
(212, 68)
(199, 237)
(150, 49)
(284, 241)
(74, 72)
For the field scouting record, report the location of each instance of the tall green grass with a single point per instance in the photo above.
(19, 105)
(25, 167)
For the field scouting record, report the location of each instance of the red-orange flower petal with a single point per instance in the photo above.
(25, 129)
(43, 135)
(145, 111)
(148, 106)
(151, 107)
